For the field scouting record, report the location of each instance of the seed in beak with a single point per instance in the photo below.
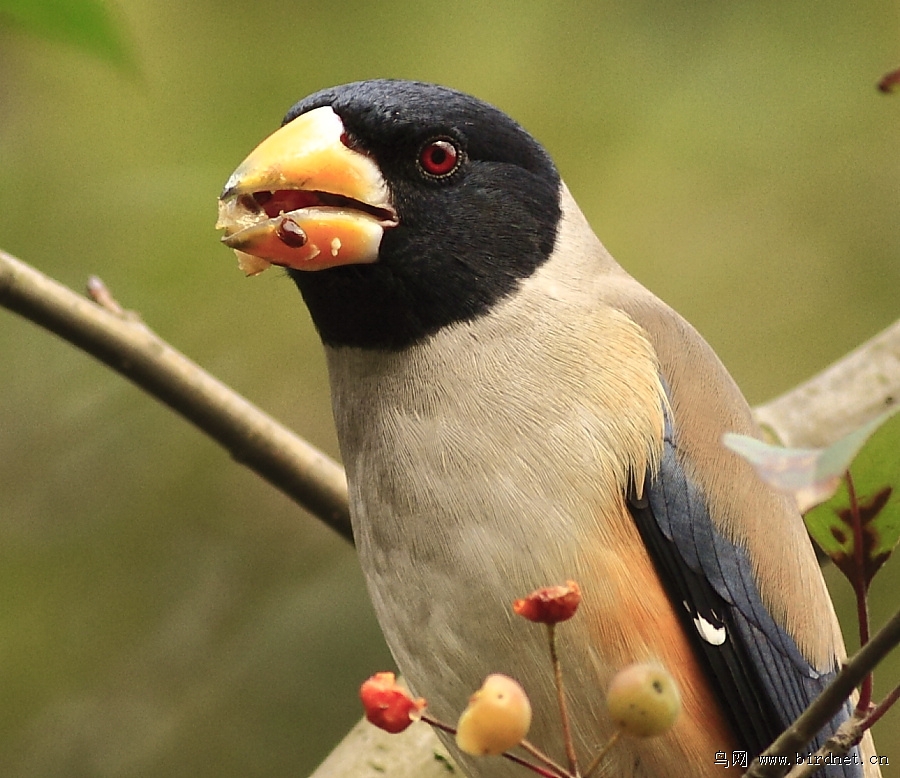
(290, 233)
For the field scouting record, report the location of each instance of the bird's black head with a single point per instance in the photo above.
(477, 206)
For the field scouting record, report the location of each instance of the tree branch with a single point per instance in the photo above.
(795, 738)
(843, 397)
(305, 474)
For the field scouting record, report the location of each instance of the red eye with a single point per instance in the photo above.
(439, 158)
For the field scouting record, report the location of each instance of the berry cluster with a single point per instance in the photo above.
(642, 699)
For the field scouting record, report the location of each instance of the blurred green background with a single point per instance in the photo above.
(165, 613)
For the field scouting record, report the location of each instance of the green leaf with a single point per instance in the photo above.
(815, 477)
(84, 23)
(875, 475)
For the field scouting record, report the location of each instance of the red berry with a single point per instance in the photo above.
(388, 705)
(551, 604)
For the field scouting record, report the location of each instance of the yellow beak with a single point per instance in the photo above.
(305, 200)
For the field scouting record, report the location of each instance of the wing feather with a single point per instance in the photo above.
(760, 677)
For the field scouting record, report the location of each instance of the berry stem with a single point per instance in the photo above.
(561, 699)
(558, 770)
(533, 767)
(437, 724)
(882, 707)
(554, 771)
(603, 752)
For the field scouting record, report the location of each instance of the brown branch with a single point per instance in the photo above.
(121, 341)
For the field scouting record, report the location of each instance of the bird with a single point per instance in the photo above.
(514, 410)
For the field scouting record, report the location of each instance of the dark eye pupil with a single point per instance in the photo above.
(438, 156)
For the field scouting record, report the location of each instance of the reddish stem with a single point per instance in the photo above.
(861, 589)
(882, 707)
(555, 772)
(534, 751)
(561, 699)
(437, 724)
(533, 767)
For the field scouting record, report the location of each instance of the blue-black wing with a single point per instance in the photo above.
(761, 679)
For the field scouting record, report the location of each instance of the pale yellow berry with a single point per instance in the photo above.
(497, 718)
(643, 700)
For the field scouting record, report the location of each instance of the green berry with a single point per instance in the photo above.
(643, 700)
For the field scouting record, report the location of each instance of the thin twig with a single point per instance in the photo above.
(252, 437)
